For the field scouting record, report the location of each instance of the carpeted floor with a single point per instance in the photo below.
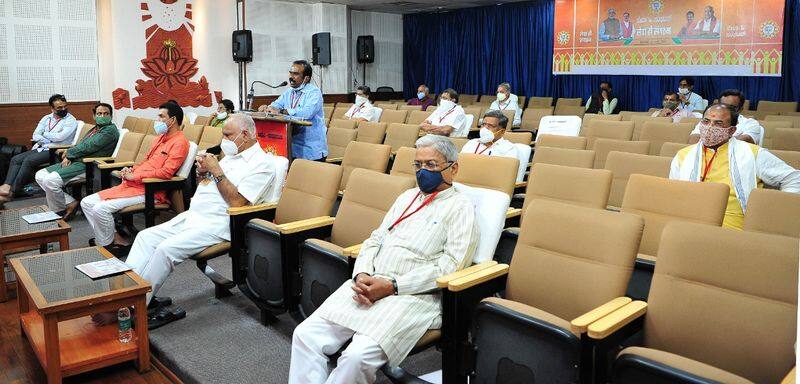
(221, 341)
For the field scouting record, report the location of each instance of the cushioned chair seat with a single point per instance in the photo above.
(140, 207)
(532, 312)
(685, 364)
(265, 224)
(213, 251)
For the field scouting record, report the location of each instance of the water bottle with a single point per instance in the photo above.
(124, 321)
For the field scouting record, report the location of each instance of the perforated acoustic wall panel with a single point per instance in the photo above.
(387, 28)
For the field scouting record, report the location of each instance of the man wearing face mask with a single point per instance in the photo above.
(428, 232)
(712, 158)
(447, 120)
(747, 129)
(423, 98)
(56, 128)
(362, 110)
(224, 109)
(687, 99)
(491, 141)
(671, 108)
(165, 157)
(603, 102)
(303, 100)
(99, 141)
(506, 101)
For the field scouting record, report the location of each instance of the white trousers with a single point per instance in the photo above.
(316, 338)
(157, 249)
(100, 214)
(53, 187)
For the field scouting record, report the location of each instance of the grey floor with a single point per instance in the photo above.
(221, 341)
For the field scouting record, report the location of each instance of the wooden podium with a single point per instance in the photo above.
(274, 132)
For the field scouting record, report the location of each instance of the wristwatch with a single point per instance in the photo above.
(394, 284)
(218, 179)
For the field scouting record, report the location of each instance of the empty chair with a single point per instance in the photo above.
(466, 99)
(776, 106)
(369, 132)
(386, 106)
(572, 102)
(459, 142)
(562, 156)
(691, 120)
(519, 137)
(569, 110)
(403, 164)
(772, 211)
(409, 107)
(623, 164)
(536, 101)
(339, 112)
(343, 123)
(144, 126)
(193, 132)
(531, 117)
(795, 120)
(769, 130)
(202, 120)
(129, 123)
(364, 155)
(125, 155)
(401, 135)
(592, 116)
(671, 149)
(346, 106)
(327, 112)
(789, 157)
(390, 116)
(601, 129)
(559, 125)
(491, 172)
(558, 141)
(212, 136)
(417, 117)
(787, 139)
(602, 147)
(338, 139)
(639, 121)
(578, 186)
(628, 115)
(657, 133)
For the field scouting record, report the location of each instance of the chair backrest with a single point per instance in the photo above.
(346, 106)
(628, 115)
(310, 191)
(769, 130)
(211, 136)
(532, 117)
(658, 133)
(579, 186)
(525, 138)
(671, 149)
(492, 172)
(459, 142)
(490, 215)
(660, 201)
(521, 101)
(777, 106)
(343, 124)
(143, 126)
(578, 158)
(202, 120)
(787, 139)
(386, 106)
(371, 132)
(559, 141)
(594, 116)
(78, 132)
(130, 122)
(569, 101)
(466, 99)
(409, 107)
(474, 110)
(795, 120)
(391, 116)
(193, 133)
(524, 157)
(368, 197)
(417, 117)
(186, 167)
(122, 133)
(623, 164)
(773, 211)
(602, 147)
(401, 135)
(147, 144)
(690, 120)
(509, 114)
(736, 290)
(364, 155)
(536, 101)
(339, 112)
(560, 125)
(789, 157)
(403, 163)
(638, 123)
(327, 112)
(273, 194)
(601, 129)
(338, 139)
(585, 256)
(128, 146)
(569, 110)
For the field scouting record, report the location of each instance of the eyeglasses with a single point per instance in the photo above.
(429, 165)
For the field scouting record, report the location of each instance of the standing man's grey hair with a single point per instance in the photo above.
(245, 122)
(441, 144)
(506, 86)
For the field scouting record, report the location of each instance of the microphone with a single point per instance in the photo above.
(252, 91)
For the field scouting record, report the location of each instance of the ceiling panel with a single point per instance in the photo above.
(410, 6)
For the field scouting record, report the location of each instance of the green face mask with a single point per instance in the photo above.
(102, 120)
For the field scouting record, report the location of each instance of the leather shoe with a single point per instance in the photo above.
(69, 213)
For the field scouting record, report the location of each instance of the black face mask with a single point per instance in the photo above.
(62, 113)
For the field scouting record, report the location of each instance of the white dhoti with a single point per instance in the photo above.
(53, 186)
(100, 214)
(316, 338)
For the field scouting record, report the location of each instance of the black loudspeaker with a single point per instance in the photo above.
(242, 44)
(321, 48)
(365, 46)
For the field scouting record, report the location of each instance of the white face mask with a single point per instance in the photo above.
(229, 147)
(683, 91)
(222, 115)
(446, 104)
(361, 99)
(501, 97)
(486, 136)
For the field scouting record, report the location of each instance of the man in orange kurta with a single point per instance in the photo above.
(165, 157)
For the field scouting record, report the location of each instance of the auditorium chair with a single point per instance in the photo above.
(671, 149)
(628, 115)
(211, 137)
(201, 120)
(524, 156)
(559, 125)
(509, 114)
(327, 113)
(129, 123)
(339, 112)
(371, 132)
(569, 102)
(776, 106)
(459, 142)
(600, 129)
(376, 117)
(346, 106)
(403, 164)
(474, 110)
(521, 101)
(745, 106)
(56, 150)
(417, 117)
(558, 141)
(193, 132)
(409, 107)
(343, 124)
(691, 120)
(126, 151)
(106, 171)
(540, 102)
(579, 158)
(529, 319)
(773, 211)
(639, 121)
(525, 138)
(490, 172)
(789, 157)
(569, 110)
(769, 130)
(386, 106)
(144, 126)
(787, 139)
(466, 99)
(391, 116)
(623, 164)
(364, 155)
(532, 116)
(795, 120)
(660, 201)
(658, 133)
(595, 116)
(431, 108)
(338, 139)
(401, 135)
(722, 309)
(602, 147)
(487, 99)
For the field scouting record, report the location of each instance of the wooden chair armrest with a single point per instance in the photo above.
(609, 324)
(352, 251)
(235, 211)
(62, 146)
(443, 281)
(341, 193)
(612, 208)
(520, 184)
(791, 377)
(153, 180)
(581, 323)
(115, 165)
(478, 277)
(304, 225)
(513, 212)
(98, 160)
(334, 159)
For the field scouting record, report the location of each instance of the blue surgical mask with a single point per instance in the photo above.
(428, 181)
(420, 95)
(160, 127)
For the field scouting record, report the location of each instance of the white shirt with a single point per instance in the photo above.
(745, 125)
(679, 115)
(54, 131)
(705, 26)
(364, 110)
(501, 147)
(453, 117)
(512, 103)
(252, 172)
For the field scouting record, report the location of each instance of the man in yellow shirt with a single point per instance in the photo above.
(711, 160)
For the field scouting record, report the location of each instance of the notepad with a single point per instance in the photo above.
(102, 268)
(35, 218)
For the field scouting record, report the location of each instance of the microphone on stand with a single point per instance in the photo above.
(251, 93)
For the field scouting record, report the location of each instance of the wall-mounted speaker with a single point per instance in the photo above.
(321, 48)
(365, 49)
(242, 44)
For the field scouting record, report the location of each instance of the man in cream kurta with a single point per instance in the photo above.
(407, 257)
(448, 119)
(491, 141)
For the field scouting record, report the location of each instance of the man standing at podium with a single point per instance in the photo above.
(304, 101)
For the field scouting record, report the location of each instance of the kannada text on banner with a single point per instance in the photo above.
(668, 37)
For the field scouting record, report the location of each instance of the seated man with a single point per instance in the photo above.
(491, 141)
(224, 109)
(423, 98)
(165, 157)
(447, 120)
(428, 232)
(57, 128)
(507, 101)
(100, 141)
(710, 161)
(362, 110)
(671, 108)
(602, 102)
(747, 129)
(686, 96)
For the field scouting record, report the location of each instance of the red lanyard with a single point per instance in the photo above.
(445, 115)
(50, 127)
(357, 109)
(708, 165)
(403, 216)
(294, 102)
(482, 151)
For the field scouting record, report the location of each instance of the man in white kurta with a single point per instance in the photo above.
(362, 110)
(392, 300)
(747, 129)
(448, 119)
(491, 141)
(507, 101)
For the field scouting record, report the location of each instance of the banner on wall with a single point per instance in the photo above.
(668, 37)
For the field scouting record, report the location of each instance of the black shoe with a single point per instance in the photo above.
(92, 243)
(120, 251)
(158, 302)
(164, 316)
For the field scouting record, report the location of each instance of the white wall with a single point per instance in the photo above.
(387, 70)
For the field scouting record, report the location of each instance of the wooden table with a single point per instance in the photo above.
(16, 235)
(55, 301)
